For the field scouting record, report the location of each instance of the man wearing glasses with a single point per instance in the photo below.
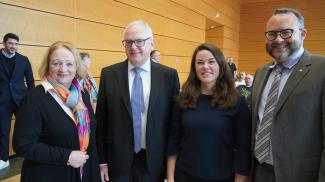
(288, 106)
(133, 111)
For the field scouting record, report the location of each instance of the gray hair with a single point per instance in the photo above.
(142, 23)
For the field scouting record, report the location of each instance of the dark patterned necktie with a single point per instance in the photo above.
(262, 144)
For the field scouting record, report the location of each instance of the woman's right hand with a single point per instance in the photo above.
(77, 158)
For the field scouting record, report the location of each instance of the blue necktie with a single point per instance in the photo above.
(137, 104)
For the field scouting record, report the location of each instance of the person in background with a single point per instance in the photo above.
(246, 90)
(209, 138)
(155, 56)
(135, 101)
(55, 125)
(240, 79)
(288, 106)
(232, 66)
(14, 70)
(88, 82)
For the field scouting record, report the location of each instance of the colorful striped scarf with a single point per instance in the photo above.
(73, 99)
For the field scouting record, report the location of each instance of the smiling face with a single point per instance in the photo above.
(138, 55)
(10, 46)
(207, 68)
(282, 49)
(62, 66)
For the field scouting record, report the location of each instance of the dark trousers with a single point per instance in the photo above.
(181, 176)
(139, 173)
(6, 111)
(263, 172)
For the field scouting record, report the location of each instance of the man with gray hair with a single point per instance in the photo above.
(134, 106)
(288, 106)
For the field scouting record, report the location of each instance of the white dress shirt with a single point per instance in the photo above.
(146, 83)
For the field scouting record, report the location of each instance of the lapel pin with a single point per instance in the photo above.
(300, 70)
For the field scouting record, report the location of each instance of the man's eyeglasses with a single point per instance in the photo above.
(138, 42)
(284, 34)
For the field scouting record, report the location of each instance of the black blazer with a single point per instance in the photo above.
(15, 86)
(114, 116)
(45, 136)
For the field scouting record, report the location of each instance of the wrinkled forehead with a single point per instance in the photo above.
(282, 21)
(136, 31)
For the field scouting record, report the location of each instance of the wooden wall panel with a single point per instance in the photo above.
(170, 46)
(98, 36)
(228, 36)
(40, 29)
(203, 8)
(170, 10)
(62, 7)
(36, 55)
(218, 41)
(231, 34)
(215, 32)
(104, 12)
(170, 28)
(97, 26)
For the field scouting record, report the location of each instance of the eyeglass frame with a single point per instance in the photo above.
(279, 32)
(137, 42)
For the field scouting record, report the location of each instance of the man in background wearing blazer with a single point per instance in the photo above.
(288, 105)
(133, 111)
(14, 67)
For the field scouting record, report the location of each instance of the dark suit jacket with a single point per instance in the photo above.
(114, 115)
(15, 86)
(45, 136)
(298, 133)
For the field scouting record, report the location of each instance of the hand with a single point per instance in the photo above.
(77, 158)
(104, 173)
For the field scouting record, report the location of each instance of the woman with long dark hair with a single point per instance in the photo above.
(210, 132)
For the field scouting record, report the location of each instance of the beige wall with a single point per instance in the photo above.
(254, 14)
(96, 26)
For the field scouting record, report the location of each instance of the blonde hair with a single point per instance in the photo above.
(44, 68)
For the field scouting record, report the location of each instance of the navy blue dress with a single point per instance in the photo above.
(211, 143)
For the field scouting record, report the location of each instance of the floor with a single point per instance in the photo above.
(13, 170)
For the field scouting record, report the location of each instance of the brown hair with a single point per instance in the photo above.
(224, 92)
(10, 36)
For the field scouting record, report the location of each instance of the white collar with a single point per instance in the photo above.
(8, 55)
(145, 66)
